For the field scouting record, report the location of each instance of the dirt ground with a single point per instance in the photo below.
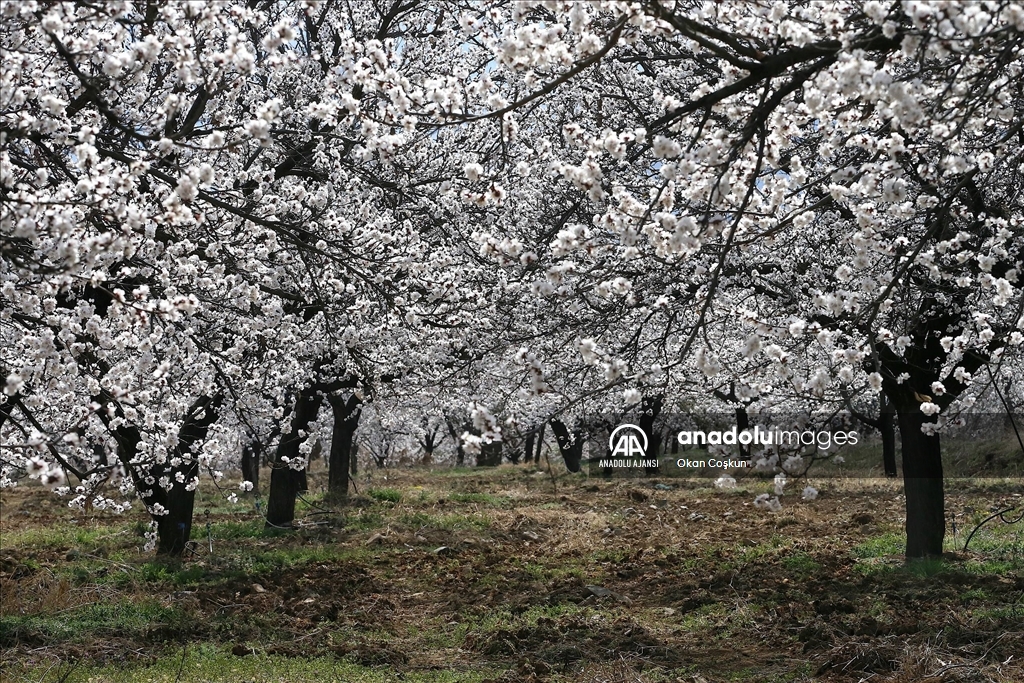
(506, 575)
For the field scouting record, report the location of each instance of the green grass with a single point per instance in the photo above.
(254, 528)
(157, 572)
(484, 605)
(385, 495)
(880, 546)
(118, 619)
(495, 620)
(704, 617)
(479, 499)
(215, 665)
(364, 520)
(995, 551)
(64, 535)
(1000, 613)
(800, 563)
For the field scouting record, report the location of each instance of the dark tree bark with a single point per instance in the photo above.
(346, 421)
(922, 483)
(251, 463)
(570, 445)
(380, 456)
(5, 408)
(742, 425)
(490, 455)
(531, 437)
(885, 423)
(460, 453)
(922, 453)
(286, 482)
(887, 427)
(540, 443)
(650, 409)
(608, 472)
(429, 441)
(174, 527)
(740, 411)
(354, 458)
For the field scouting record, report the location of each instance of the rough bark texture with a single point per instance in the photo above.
(286, 482)
(540, 443)
(570, 445)
(251, 464)
(174, 530)
(346, 421)
(429, 442)
(460, 453)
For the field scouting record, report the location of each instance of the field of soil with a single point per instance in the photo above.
(508, 575)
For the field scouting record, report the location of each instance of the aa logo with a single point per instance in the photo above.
(624, 442)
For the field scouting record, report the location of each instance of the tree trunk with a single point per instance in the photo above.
(886, 419)
(286, 482)
(742, 425)
(174, 524)
(174, 530)
(490, 455)
(346, 421)
(540, 443)
(923, 485)
(650, 410)
(460, 454)
(531, 437)
(570, 445)
(251, 464)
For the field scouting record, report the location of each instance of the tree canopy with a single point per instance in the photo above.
(215, 214)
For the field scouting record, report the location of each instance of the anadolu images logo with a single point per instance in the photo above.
(627, 445)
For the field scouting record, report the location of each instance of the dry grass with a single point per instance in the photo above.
(488, 571)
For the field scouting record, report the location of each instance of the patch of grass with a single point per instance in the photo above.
(800, 563)
(385, 495)
(882, 546)
(1000, 613)
(612, 555)
(974, 595)
(235, 530)
(282, 558)
(446, 522)
(479, 498)
(801, 673)
(492, 621)
(158, 572)
(762, 551)
(364, 520)
(59, 536)
(704, 617)
(999, 551)
(129, 618)
(214, 665)
(455, 472)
